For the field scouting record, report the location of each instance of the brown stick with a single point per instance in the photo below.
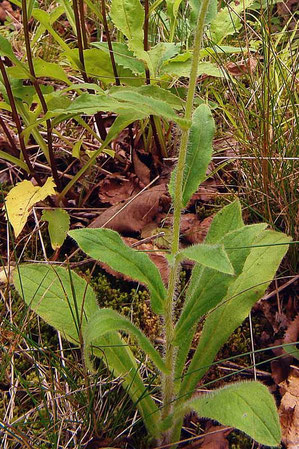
(17, 122)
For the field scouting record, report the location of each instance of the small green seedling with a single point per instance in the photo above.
(232, 270)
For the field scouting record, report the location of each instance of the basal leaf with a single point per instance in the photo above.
(247, 406)
(151, 91)
(199, 152)
(21, 199)
(161, 53)
(107, 246)
(58, 225)
(212, 256)
(61, 297)
(258, 271)
(116, 354)
(106, 321)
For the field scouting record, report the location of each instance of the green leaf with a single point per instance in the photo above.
(149, 103)
(199, 152)
(45, 19)
(58, 227)
(258, 271)
(6, 50)
(61, 297)
(107, 246)
(211, 13)
(123, 56)
(151, 91)
(181, 68)
(69, 11)
(227, 22)
(212, 256)
(106, 321)
(42, 69)
(228, 219)
(161, 53)
(116, 354)
(247, 406)
(208, 287)
(128, 17)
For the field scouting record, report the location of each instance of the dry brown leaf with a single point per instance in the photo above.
(193, 230)
(114, 189)
(289, 410)
(131, 216)
(141, 170)
(280, 368)
(242, 67)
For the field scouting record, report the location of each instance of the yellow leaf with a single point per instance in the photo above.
(22, 198)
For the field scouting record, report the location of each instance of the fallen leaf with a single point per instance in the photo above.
(141, 170)
(215, 439)
(193, 230)
(58, 226)
(280, 368)
(132, 215)
(22, 198)
(289, 410)
(241, 68)
(114, 189)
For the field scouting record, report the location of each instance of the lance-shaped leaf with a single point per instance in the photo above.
(107, 246)
(61, 297)
(128, 17)
(106, 321)
(247, 406)
(258, 271)
(116, 354)
(198, 154)
(212, 256)
(208, 286)
(66, 302)
(6, 50)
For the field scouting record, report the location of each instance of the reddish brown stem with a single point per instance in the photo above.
(13, 145)
(40, 95)
(17, 122)
(117, 81)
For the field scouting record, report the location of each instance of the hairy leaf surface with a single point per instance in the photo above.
(199, 152)
(106, 321)
(107, 246)
(212, 256)
(61, 297)
(247, 406)
(258, 271)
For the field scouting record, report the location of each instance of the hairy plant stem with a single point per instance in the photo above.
(168, 380)
(39, 94)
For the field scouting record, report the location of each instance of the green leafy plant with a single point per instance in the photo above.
(232, 270)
